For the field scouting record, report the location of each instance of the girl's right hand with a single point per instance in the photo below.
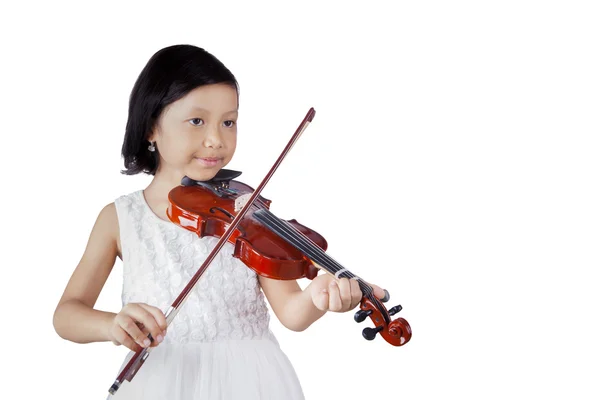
(130, 327)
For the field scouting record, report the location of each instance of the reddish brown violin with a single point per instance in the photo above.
(273, 247)
(207, 208)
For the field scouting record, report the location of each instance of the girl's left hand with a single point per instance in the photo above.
(338, 295)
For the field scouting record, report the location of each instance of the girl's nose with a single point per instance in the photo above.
(213, 138)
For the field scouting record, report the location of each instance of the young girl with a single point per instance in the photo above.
(182, 122)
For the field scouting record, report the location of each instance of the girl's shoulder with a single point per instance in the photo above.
(128, 198)
(107, 217)
(105, 231)
(112, 218)
(108, 222)
(125, 202)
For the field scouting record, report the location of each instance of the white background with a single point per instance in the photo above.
(453, 160)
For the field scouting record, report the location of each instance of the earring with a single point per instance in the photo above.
(151, 147)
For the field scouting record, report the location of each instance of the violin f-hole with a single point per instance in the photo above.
(212, 210)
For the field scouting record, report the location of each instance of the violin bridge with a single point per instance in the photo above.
(241, 201)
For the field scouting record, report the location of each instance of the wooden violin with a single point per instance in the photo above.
(272, 247)
(208, 207)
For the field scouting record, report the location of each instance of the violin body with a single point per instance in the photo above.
(207, 208)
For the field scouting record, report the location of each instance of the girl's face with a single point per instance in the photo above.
(197, 134)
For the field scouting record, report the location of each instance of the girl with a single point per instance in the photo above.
(182, 120)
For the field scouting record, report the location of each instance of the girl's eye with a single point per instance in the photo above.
(229, 123)
(198, 121)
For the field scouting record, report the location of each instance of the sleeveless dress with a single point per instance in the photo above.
(219, 346)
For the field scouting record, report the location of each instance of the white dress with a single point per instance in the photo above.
(219, 346)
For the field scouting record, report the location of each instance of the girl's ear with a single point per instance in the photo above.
(152, 135)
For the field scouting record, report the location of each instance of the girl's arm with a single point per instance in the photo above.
(75, 318)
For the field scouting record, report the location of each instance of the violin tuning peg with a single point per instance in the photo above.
(395, 309)
(361, 315)
(370, 333)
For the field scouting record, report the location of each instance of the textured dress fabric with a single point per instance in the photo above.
(219, 346)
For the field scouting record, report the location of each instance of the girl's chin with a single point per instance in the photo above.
(205, 174)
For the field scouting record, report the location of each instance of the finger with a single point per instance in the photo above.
(356, 293)
(123, 338)
(159, 317)
(147, 333)
(131, 328)
(321, 300)
(335, 302)
(143, 315)
(377, 291)
(345, 293)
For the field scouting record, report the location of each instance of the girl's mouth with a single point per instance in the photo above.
(208, 161)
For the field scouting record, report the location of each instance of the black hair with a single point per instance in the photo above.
(169, 75)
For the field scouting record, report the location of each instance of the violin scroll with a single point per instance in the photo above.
(396, 332)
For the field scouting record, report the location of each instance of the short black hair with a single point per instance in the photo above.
(169, 75)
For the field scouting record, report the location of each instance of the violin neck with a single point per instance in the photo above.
(297, 239)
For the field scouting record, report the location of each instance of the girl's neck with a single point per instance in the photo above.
(157, 192)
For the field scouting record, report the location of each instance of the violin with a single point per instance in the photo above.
(207, 207)
(275, 248)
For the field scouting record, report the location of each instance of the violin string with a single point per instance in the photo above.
(321, 257)
(303, 243)
(289, 232)
(274, 223)
(298, 239)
